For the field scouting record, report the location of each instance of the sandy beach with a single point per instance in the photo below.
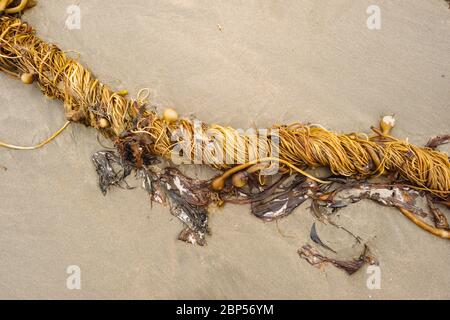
(239, 63)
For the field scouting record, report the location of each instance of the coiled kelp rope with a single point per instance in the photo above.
(87, 100)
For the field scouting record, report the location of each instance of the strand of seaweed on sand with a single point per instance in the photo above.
(415, 180)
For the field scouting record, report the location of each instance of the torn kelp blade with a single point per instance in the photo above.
(316, 259)
(194, 217)
(437, 141)
(282, 198)
(109, 176)
(187, 198)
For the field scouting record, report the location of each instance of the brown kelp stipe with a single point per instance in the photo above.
(141, 135)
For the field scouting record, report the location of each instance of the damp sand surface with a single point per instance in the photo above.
(244, 64)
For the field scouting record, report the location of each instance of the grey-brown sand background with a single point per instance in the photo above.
(271, 62)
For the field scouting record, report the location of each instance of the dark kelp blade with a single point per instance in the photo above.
(316, 259)
(187, 199)
(194, 217)
(279, 201)
(387, 195)
(315, 238)
(440, 220)
(437, 141)
(104, 162)
(194, 191)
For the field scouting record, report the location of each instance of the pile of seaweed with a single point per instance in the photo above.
(415, 180)
(270, 199)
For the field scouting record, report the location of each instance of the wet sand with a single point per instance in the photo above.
(239, 63)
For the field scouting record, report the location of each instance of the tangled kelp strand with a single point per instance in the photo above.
(88, 101)
(39, 145)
